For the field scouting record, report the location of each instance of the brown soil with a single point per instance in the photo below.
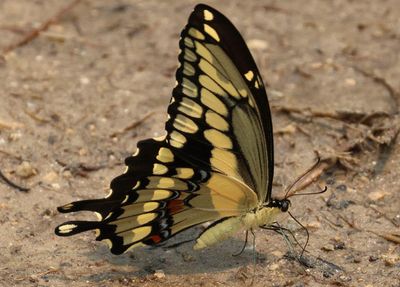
(106, 64)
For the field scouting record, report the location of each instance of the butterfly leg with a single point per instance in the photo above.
(254, 257)
(244, 245)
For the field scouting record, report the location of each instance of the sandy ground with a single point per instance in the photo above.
(67, 96)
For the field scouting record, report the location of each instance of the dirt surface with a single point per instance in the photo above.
(67, 95)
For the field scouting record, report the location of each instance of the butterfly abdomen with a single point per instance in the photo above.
(217, 232)
(226, 228)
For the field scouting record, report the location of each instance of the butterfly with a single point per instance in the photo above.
(216, 161)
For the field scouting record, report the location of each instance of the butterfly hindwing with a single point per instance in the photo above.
(157, 197)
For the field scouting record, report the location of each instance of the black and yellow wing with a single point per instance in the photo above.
(219, 112)
(216, 160)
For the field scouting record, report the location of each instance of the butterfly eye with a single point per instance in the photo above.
(285, 205)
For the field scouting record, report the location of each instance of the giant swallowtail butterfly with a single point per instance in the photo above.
(216, 162)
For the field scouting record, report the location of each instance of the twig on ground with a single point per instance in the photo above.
(80, 168)
(62, 37)
(345, 116)
(392, 237)
(9, 125)
(349, 223)
(34, 276)
(12, 184)
(378, 127)
(34, 33)
(36, 117)
(395, 95)
(384, 215)
(11, 154)
(133, 125)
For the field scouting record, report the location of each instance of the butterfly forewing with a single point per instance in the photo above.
(219, 112)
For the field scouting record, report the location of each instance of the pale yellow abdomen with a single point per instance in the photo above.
(230, 226)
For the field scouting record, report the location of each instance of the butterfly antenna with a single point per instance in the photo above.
(301, 177)
(308, 234)
(244, 245)
(310, 193)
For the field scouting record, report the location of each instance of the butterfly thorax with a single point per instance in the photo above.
(260, 217)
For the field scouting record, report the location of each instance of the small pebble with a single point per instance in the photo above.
(391, 260)
(326, 274)
(50, 177)
(277, 253)
(84, 80)
(15, 136)
(341, 187)
(328, 247)
(289, 129)
(67, 174)
(350, 82)
(159, 274)
(25, 170)
(273, 266)
(56, 186)
(377, 195)
(373, 258)
(187, 257)
(316, 65)
(314, 225)
(339, 246)
(345, 278)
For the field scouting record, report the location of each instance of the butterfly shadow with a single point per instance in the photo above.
(142, 262)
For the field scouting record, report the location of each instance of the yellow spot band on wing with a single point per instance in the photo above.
(189, 88)
(249, 75)
(190, 108)
(211, 31)
(188, 69)
(218, 139)
(138, 208)
(185, 124)
(196, 34)
(184, 172)
(216, 121)
(132, 222)
(188, 42)
(135, 235)
(146, 195)
(211, 85)
(166, 182)
(213, 102)
(159, 169)
(208, 16)
(165, 155)
(66, 228)
(189, 55)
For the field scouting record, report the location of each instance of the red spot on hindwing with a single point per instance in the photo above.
(175, 206)
(156, 238)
